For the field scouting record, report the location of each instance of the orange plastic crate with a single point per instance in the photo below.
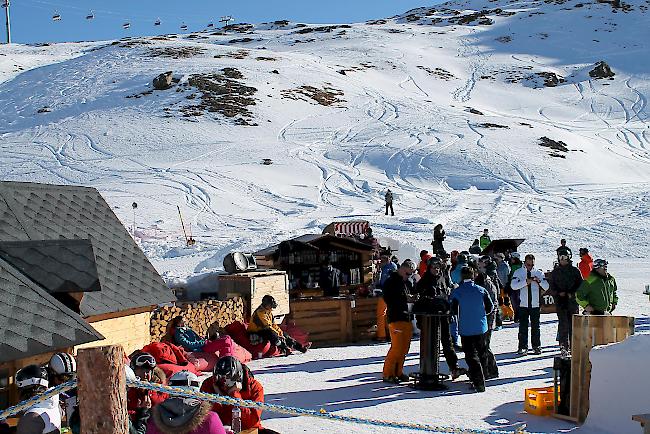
(539, 400)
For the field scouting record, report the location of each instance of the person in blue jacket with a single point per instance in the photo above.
(185, 336)
(472, 303)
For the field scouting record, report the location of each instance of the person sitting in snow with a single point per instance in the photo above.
(186, 337)
(232, 378)
(184, 415)
(263, 325)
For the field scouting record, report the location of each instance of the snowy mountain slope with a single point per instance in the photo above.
(446, 112)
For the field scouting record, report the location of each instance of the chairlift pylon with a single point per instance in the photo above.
(126, 25)
(157, 22)
(90, 16)
(183, 27)
(56, 16)
(226, 19)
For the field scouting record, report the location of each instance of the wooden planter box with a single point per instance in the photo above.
(589, 331)
(335, 320)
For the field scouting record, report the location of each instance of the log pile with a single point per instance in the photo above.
(201, 316)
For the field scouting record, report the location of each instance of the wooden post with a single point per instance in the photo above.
(589, 331)
(102, 390)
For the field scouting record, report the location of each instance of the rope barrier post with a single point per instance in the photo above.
(102, 390)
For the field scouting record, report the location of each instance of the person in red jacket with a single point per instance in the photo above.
(586, 263)
(231, 378)
(145, 369)
(424, 260)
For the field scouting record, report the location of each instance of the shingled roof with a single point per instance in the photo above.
(33, 322)
(31, 211)
(56, 265)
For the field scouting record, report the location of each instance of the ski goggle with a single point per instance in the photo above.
(145, 361)
(228, 382)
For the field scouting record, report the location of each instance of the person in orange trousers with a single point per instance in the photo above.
(396, 291)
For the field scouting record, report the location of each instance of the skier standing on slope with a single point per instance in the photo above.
(389, 202)
(563, 249)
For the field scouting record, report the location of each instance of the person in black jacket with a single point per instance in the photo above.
(396, 292)
(434, 284)
(564, 282)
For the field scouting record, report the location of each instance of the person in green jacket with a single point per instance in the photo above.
(597, 294)
(484, 239)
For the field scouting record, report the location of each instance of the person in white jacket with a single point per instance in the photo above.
(528, 282)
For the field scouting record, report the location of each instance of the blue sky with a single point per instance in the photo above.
(32, 19)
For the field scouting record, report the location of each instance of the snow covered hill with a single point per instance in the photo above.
(446, 106)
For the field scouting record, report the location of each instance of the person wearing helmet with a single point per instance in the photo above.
(597, 293)
(41, 418)
(62, 368)
(145, 368)
(177, 415)
(434, 284)
(138, 421)
(232, 378)
(564, 281)
(397, 290)
(263, 324)
(586, 263)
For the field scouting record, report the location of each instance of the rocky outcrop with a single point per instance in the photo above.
(163, 81)
(601, 70)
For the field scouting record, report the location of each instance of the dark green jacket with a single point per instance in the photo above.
(598, 292)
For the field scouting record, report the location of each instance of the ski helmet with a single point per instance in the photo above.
(185, 379)
(269, 301)
(600, 263)
(143, 360)
(32, 376)
(229, 367)
(515, 255)
(62, 364)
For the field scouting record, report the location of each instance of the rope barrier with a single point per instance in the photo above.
(322, 414)
(275, 408)
(49, 393)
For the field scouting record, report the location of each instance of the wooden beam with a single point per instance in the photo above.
(102, 390)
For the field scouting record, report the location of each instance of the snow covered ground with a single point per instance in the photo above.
(347, 380)
(445, 106)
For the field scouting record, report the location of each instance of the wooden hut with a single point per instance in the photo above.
(89, 282)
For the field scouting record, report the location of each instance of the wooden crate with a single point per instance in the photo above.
(254, 285)
(589, 331)
(364, 316)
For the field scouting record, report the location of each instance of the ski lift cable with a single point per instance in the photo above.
(190, 19)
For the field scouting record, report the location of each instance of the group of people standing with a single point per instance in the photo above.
(483, 292)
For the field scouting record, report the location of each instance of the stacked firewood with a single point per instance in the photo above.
(200, 316)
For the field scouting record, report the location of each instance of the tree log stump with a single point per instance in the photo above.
(102, 390)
